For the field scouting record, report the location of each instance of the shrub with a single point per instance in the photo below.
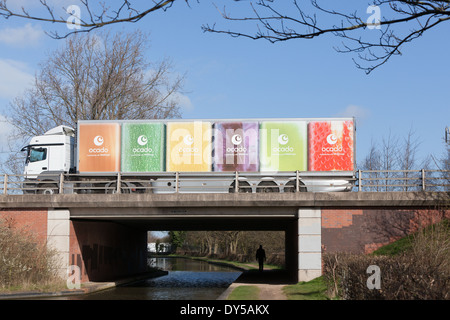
(24, 262)
(420, 272)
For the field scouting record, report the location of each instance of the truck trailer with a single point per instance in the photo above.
(191, 156)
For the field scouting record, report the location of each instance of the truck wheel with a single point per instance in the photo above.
(267, 186)
(290, 187)
(244, 187)
(49, 189)
(112, 188)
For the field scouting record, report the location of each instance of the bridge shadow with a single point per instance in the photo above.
(266, 277)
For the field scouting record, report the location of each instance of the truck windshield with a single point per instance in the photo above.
(36, 154)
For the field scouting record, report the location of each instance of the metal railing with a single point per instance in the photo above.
(402, 180)
(231, 182)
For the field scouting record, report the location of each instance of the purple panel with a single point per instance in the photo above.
(236, 146)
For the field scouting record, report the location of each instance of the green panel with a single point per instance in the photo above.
(283, 146)
(143, 146)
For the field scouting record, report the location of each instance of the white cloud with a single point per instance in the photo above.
(27, 35)
(360, 113)
(183, 101)
(14, 78)
(5, 130)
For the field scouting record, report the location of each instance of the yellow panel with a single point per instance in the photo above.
(188, 146)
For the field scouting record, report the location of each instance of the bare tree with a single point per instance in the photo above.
(95, 77)
(372, 164)
(443, 163)
(394, 165)
(408, 162)
(381, 161)
(389, 157)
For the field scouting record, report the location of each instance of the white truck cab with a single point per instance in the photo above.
(50, 154)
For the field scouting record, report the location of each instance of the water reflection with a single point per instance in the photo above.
(181, 264)
(187, 280)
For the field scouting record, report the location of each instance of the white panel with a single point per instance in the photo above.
(309, 243)
(58, 214)
(309, 213)
(310, 226)
(308, 261)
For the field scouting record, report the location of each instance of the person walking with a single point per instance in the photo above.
(261, 257)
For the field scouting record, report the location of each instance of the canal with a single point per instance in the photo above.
(187, 279)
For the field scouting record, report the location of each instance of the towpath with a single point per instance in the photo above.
(269, 282)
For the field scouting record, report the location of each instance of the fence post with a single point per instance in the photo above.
(5, 184)
(177, 179)
(236, 184)
(61, 183)
(118, 183)
(423, 179)
(359, 180)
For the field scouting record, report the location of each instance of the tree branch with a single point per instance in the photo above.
(124, 13)
(274, 26)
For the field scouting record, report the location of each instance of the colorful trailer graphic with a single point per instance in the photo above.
(143, 147)
(283, 146)
(99, 147)
(188, 146)
(331, 146)
(219, 146)
(236, 146)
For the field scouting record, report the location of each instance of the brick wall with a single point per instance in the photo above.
(365, 230)
(29, 220)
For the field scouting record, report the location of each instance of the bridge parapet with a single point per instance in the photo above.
(332, 199)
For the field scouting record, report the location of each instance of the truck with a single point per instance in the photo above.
(193, 156)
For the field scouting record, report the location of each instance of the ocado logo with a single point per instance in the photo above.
(142, 140)
(283, 149)
(239, 149)
(331, 139)
(98, 140)
(236, 139)
(143, 150)
(98, 150)
(188, 140)
(331, 149)
(283, 139)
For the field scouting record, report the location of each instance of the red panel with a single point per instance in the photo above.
(331, 146)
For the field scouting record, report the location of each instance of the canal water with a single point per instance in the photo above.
(187, 279)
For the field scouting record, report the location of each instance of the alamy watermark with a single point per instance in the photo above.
(374, 20)
(74, 21)
(374, 280)
(73, 277)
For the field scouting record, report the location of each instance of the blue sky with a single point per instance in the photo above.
(240, 78)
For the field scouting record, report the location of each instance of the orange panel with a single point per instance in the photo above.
(99, 147)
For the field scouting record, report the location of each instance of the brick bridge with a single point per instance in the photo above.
(106, 235)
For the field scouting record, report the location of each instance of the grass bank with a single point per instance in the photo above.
(244, 293)
(315, 289)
